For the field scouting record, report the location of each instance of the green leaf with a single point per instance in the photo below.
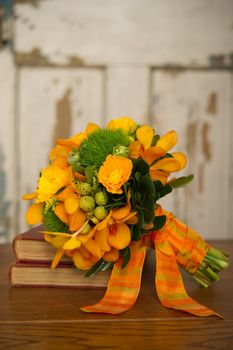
(182, 181)
(139, 165)
(90, 173)
(159, 222)
(165, 190)
(147, 186)
(158, 185)
(149, 210)
(101, 265)
(155, 140)
(125, 253)
(137, 176)
(53, 223)
(136, 233)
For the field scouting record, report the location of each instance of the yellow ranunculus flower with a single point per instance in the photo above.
(115, 171)
(125, 123)
(51, 180)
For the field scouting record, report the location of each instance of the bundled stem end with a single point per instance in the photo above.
(214, 261)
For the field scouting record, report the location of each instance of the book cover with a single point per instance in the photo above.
(25, 274)
(30, 246)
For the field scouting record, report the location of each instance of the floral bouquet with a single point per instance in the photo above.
(97, 200)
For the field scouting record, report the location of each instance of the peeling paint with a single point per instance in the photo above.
(75, 61)
(36, 58)
(63, 117)
(32, 58)
(191, 139)
(212, 105)
(206, 144)
(201, 173)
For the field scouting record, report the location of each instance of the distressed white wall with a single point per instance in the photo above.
(167, 63)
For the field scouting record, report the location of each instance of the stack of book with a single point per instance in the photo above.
(32, 267)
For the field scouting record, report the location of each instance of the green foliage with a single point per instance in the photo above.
(52, 222)
(182, 181)
(125, 253)
(101, 265)
(101, 143)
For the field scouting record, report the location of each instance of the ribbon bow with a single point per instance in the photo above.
(175, 244)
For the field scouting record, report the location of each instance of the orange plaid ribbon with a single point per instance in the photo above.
(175, 244)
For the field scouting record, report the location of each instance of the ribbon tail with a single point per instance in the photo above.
(170, 287)
(124, 284)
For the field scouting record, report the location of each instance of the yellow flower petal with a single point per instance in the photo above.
(93, 247)
(125, 123)
(72, 243)
(145, 135)
(58, 241)
(59, 254)
(61, 213)
(77, 220)
(119, 214)
(29, 196)
(114, 172)
(66, 193)
(80, 262)
(166, 164)
(121, 238)
(111, 256)
(159, 175)
(167, 141)
(71, 204)
(153, 153)
(91, 127)
(101, 239)
(182, 159)
(34, 214)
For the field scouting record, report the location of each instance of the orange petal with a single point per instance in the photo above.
(80, 177)
(72, 243)
(84, 238)
(58, 241)
(61, 213)
(80, 262)
(121, 238)
(145, 135)
(77, 220)
(71, 204)
(61, 162)
(102, 224)
(167, 141)
(111, 256)
(159, 175)
(66, 193)
(101, 239)
(135, 149)
(59, 254)
(119, 214)
(34, 214)
(166, 164)
(153, 153)
(181, 157)
(29, 196)
(93, 247)
(84, 252)
(91, 127)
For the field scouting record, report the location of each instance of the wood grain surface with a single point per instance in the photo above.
(45, 318)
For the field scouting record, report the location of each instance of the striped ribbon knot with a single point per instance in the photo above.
(175, 244)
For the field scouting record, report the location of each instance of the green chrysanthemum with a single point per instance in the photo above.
(101, 143)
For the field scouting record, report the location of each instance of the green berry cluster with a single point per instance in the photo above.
(92, 203)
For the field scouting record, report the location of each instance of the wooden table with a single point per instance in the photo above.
(46, 318)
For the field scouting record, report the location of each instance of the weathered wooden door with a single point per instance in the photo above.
(162, 62)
